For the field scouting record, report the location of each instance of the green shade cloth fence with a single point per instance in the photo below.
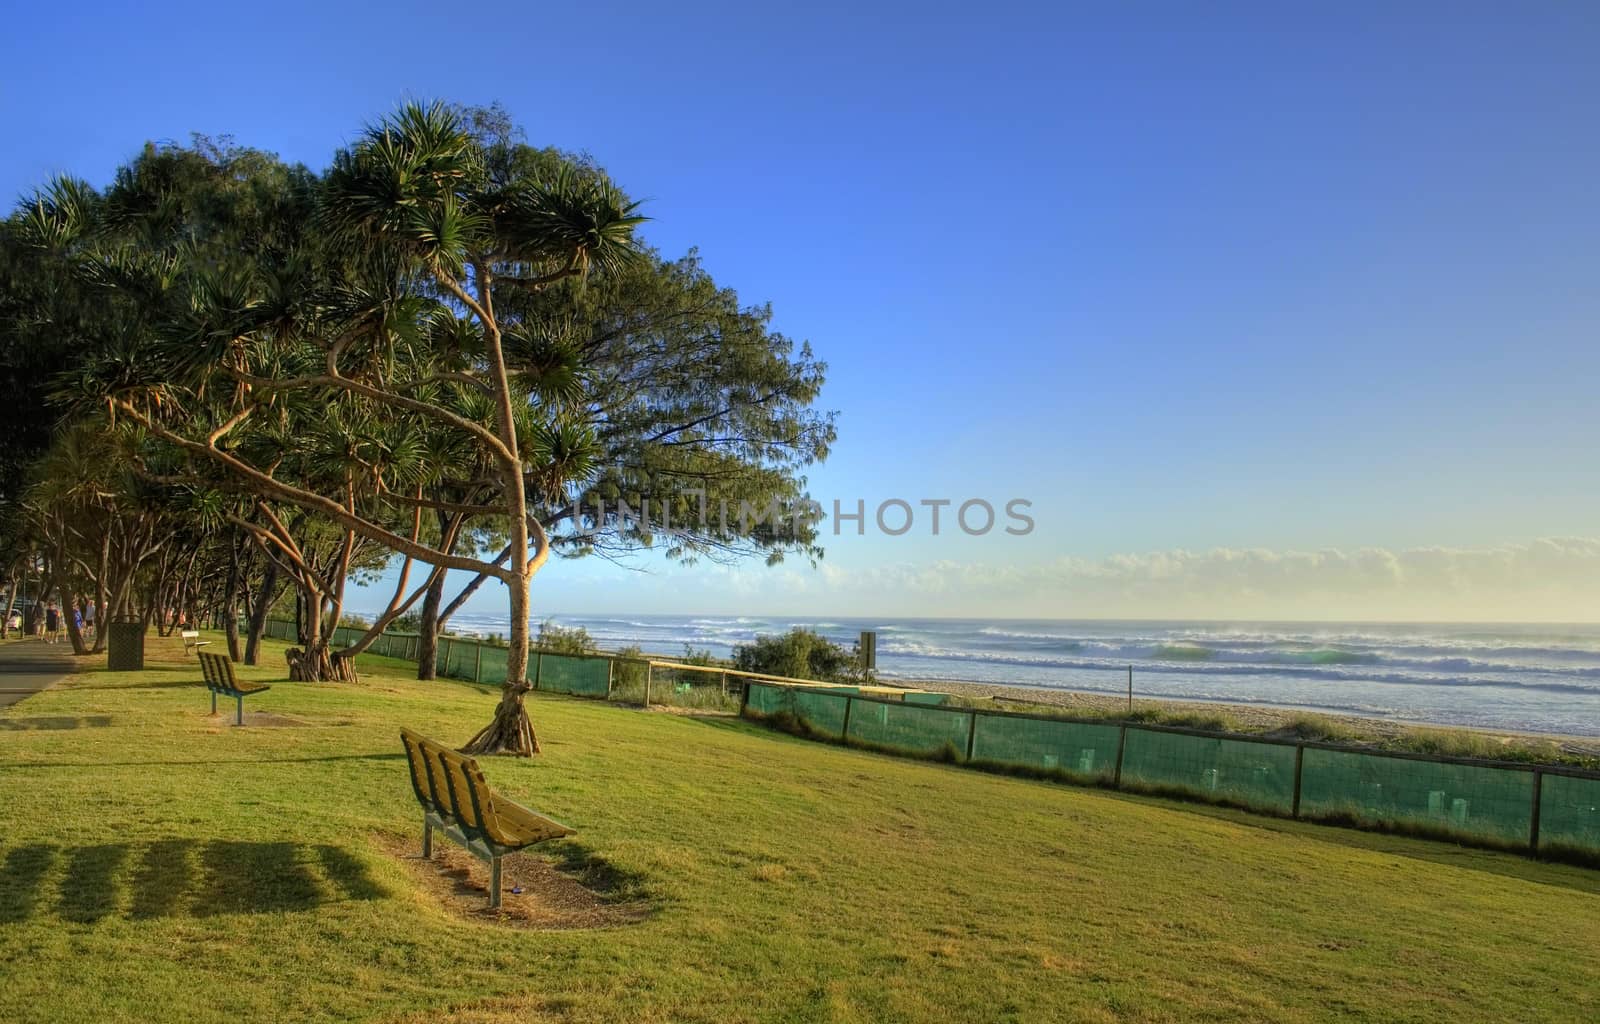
(573, 674)
(1569, 812)
(467, 658)
(1474, 802)
(1256, 775)
(1484, 802)
(911, 727)
(1078, 749)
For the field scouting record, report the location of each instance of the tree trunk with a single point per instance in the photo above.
(396, 608)
(11, 603)
(319, 665)
(101, 601)
(428, 638)
(313, 662)
(47, 585)
(74, 634)
(258, 614)
(510, 732)
(230, 630)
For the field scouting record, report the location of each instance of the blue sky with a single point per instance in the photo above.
(1228, 284)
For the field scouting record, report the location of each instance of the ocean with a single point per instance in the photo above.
(1529, 677)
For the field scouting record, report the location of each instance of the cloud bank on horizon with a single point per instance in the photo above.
(1549, 579)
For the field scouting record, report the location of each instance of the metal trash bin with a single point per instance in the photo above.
(125, 645)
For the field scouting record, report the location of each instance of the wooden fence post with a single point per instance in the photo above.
(1299, 762)
(449, 642)
(1122, 744)
(649, 670)
(844, 729)
(611, 665)
(972, 732)
(477, 663)
(1533, 822)
(538, 668)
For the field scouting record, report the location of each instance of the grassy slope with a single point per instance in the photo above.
(155, 865)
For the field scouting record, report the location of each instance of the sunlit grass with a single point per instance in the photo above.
(158, 864)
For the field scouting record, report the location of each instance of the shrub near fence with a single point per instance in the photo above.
(1550, 809)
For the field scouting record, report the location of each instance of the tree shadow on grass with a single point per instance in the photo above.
(165, 873)
(171, 684)
(348, 873)
(242, 878)
(202, 761)
(21, 877)
(178, 878)
(55, 723)
(89, 892)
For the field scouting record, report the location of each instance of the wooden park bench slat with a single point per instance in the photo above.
(218, 672)
(456, 799)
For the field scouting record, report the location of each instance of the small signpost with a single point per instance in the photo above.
(868, 646)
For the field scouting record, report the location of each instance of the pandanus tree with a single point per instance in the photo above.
(387, 297)
(448, 347)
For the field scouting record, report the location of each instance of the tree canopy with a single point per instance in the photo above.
(450, 348)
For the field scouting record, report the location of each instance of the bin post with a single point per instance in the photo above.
(125, 645)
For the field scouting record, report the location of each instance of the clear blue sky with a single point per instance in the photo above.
(1212, 285)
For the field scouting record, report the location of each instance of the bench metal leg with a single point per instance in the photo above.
(427, 839)
(494, 882)
(213, 702)
(239, 719)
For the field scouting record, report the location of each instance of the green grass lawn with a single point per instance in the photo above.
(157, 864)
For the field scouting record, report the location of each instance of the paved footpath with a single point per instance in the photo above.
(28, 666)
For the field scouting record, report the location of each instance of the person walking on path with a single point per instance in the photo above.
(52, 623)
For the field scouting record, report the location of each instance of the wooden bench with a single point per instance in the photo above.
(192, 641)
(218, 671)
(457, 800)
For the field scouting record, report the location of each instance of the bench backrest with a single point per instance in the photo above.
(188, 634)
(452, 785)
(218, 672)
